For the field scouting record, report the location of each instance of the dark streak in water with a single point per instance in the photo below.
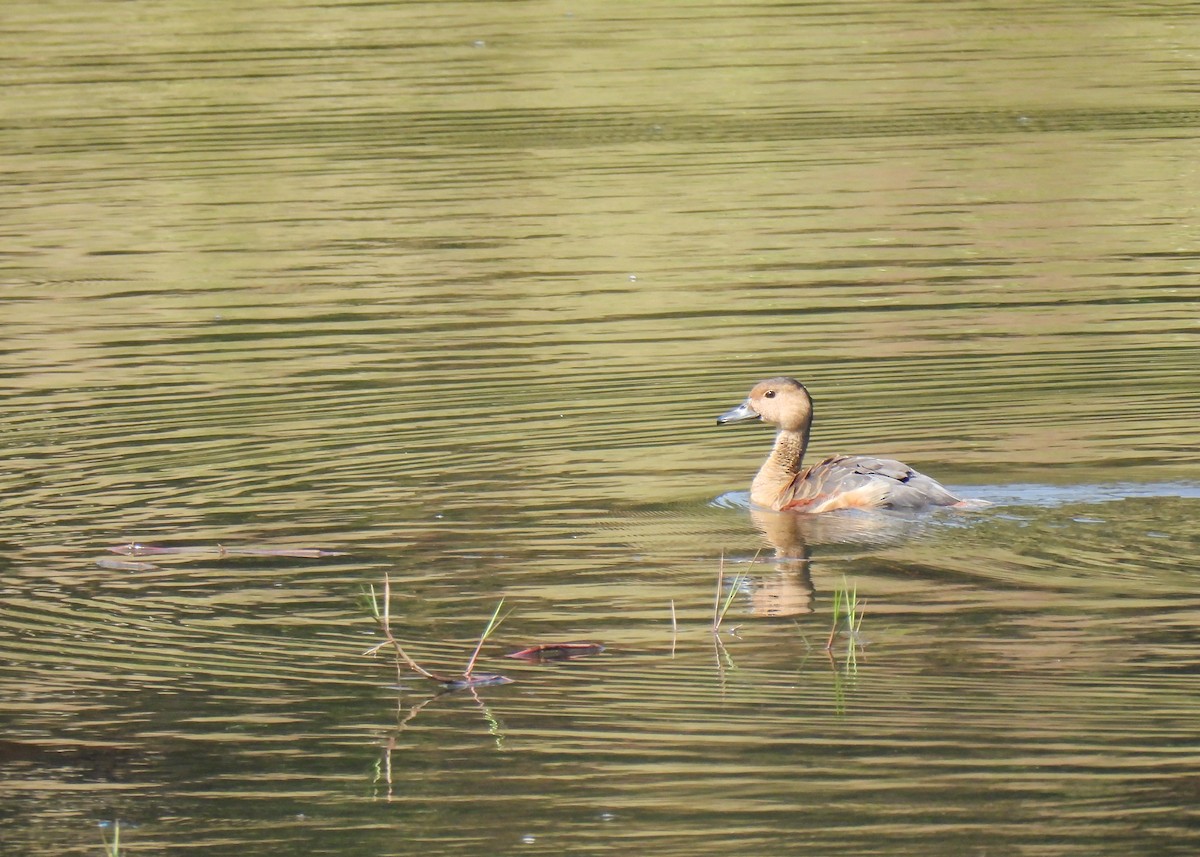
(572, 128)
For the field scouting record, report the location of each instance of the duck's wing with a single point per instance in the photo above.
(863, 482)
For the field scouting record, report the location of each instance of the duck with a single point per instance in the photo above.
(838, 482)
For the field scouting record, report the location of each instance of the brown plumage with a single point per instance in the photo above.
(838, 482)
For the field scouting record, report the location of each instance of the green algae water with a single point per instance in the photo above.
(456, 290)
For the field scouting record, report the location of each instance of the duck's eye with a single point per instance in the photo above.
(770, 394)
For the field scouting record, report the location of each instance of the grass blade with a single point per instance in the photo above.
(492, 625)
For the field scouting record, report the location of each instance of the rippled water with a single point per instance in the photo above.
(456, 290)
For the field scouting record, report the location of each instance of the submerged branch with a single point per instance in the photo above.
(466, 679)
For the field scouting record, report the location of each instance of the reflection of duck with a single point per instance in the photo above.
(789, 591)
(839, 482)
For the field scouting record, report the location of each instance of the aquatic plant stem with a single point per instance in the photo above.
(113, 849)
(837, 604)
(717, 596)
(721, 608)
(385, 623)
(847, 605)
(492, 625)
(674, 628)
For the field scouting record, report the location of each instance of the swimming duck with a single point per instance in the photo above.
(838, 482)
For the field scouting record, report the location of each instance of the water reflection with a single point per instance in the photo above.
(95, 761)
(797, 540)
(247, 244)
(789, 590)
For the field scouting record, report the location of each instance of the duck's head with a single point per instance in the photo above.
(780, 401)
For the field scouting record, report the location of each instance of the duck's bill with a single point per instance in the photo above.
(739, 414)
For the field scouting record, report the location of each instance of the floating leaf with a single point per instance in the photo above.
(558, 651)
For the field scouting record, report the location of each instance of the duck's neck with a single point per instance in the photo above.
(780, 468)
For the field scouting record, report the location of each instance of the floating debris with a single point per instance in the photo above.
(126, 565)
(467, 679)
(138, 549)
(558, 651)
(477, 680)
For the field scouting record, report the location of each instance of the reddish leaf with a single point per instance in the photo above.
(558, 651)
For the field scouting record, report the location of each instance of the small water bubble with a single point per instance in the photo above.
(528, 839)
(479, 43)
(633, 278)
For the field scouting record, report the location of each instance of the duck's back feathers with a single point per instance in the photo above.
(862, 482)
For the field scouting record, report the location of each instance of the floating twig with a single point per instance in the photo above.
(385, 623)
(138, 549)
(450, 682)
